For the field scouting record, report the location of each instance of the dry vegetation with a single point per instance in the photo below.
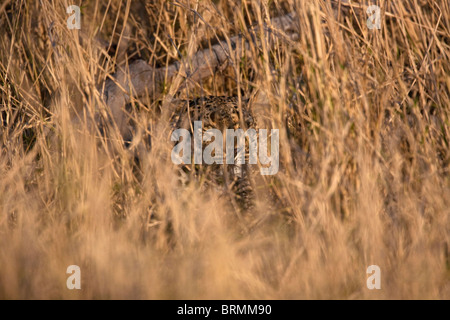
(364, 146)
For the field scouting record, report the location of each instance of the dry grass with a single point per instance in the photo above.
(364, 141)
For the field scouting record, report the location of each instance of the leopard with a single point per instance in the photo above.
(221, 112)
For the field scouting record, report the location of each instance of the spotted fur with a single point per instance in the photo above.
(219, 112)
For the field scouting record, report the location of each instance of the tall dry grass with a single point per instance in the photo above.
(364, 142)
